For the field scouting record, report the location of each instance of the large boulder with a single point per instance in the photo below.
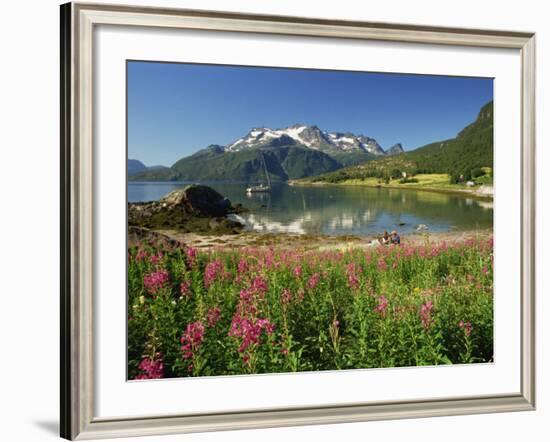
(198, 200)
(188, 210)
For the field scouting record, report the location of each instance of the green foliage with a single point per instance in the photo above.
(265, 310)
(477, 172)
(471, 150)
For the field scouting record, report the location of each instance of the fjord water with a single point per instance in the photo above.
(340, 210)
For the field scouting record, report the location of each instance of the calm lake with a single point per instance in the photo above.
(340, 210)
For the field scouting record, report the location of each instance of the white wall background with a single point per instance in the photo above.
(30, 204)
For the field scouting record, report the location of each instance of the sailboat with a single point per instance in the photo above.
(261, 187)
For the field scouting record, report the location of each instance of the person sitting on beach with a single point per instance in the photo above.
(385, 238)
(395, 238)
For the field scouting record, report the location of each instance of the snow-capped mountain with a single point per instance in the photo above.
(293, 152)
(308, 136)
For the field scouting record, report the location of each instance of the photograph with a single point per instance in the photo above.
(284, 220)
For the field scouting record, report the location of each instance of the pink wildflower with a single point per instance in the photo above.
(313, 281)
(185, 288)
(153, 282)
(155, 259)
(353, 280)
(409, 251)
(151, 368)
(382, 265)
(259, 286)
(191, 253)
(213, 270)
(213, 316)
(382, 306)
(192, 339)
(242, 267)
(466, 326)
(298, 271)
(141, 255)
(286, 296)
(249, 331)
(426, 314)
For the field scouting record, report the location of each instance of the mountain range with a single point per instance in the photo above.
(293, 152)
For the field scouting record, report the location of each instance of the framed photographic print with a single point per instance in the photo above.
(272, 221)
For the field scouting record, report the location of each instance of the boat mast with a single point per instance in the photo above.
(265, 168)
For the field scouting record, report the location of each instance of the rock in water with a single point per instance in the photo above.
(188, 209)
(202, 200)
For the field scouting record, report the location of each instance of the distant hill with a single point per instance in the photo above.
(469, 151)
(293, 152)
(136, 167)
(396, 149)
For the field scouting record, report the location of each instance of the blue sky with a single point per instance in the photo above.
(175, 109)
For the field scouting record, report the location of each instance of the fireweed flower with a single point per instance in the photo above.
(185, 288)
(213, 270)
(191, 254)
(154, 281)
(286, 296)
(382, 306)
(151, 368)
(242, 267)
(409, 251)
(192, 339)
(213, 316)
(249, 331)
(141, 255)
(313, 281)
(426, 314)
(259, 286)
(352, 271)
(466, 326)
(382, 265)
(298, 271)
(155, 259)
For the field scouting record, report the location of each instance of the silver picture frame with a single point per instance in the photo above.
(78, 21)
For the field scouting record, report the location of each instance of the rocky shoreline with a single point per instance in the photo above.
(312, 242)
(195, 208)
